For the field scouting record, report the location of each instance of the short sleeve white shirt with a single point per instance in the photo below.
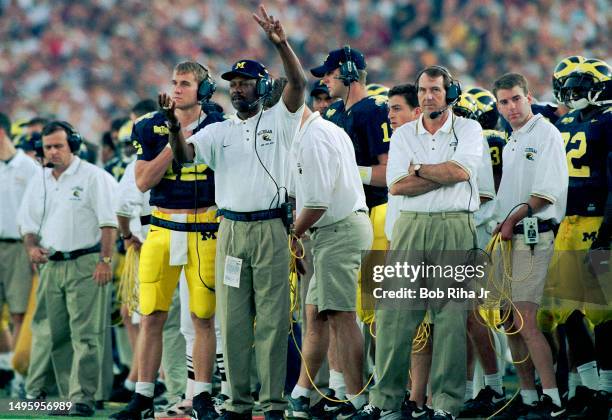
(69, 211)
(233, 150)
(534, 164)
(131, 202)
(459, 140)
(15, 176)
(325, 171)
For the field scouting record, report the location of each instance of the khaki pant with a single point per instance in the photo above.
(40, 378)
(430, 235)
(15, 277)
(263, 294)
(77, 311)
(173, 354)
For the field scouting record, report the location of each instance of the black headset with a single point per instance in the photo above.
(348, 69)
(263, 86)
(206, 87)
(73, 137)
(452, 88)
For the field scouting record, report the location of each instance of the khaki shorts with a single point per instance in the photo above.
(15, 276)
(337, 252)
(529, 272)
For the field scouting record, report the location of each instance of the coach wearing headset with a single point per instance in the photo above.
(432, 167)
(68, 224)
(249, 154)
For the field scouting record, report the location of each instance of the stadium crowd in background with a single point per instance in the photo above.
(62, 58)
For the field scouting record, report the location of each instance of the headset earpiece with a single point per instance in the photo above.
(73, 137)
(263, 86)
(206, 88)
(348, 69)
(452, 88)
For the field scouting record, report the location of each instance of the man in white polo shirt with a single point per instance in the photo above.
(68, 222)
(433, 163)
(534, 183)
(16, 170)
(249, 156)
(331, 204)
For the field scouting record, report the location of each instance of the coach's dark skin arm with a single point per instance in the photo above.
(293, 95)
(182, 151)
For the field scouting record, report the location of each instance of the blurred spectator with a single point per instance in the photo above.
(82, 61)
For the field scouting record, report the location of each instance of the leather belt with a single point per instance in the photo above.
(71, 255)
(184, 227)
(10, 240)
(251, 216)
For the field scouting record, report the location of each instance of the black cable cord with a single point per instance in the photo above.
(277, 195)
(42, 219)
(195, 210)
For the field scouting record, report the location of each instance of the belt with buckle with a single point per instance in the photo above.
(250, 216)
(71, 255)
(543, 226)
(184, 227)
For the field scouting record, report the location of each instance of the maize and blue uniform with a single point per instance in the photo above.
(570, 286)
(182, 187)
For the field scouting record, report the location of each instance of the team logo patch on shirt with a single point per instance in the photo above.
(530, 153)
(266, 136)
(330, 112)
(76, 193)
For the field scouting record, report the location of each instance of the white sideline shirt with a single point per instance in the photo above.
(228, 147)
(325, 171)
(459, 140)
(15, 176)
(133, 203)
(534, 164)
(75, 207)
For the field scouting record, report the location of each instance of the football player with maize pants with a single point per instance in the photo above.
(578, 283)
(182, 236)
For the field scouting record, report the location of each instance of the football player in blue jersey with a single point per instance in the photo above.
(577, 286)
(182, 236)
(488, 117)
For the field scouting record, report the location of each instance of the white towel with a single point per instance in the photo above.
(178, 242)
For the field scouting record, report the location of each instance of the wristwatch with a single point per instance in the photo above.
(106, 260)
(417, 168)
(127, 237)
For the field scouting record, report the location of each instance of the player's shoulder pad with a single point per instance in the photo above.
(333, 108)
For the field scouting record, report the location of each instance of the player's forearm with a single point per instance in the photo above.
(148, 174)
(412, 186)
(306, 219)
(182, 151)
(293, 95)
(445, 173)
(107, 241)
(379, 175)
